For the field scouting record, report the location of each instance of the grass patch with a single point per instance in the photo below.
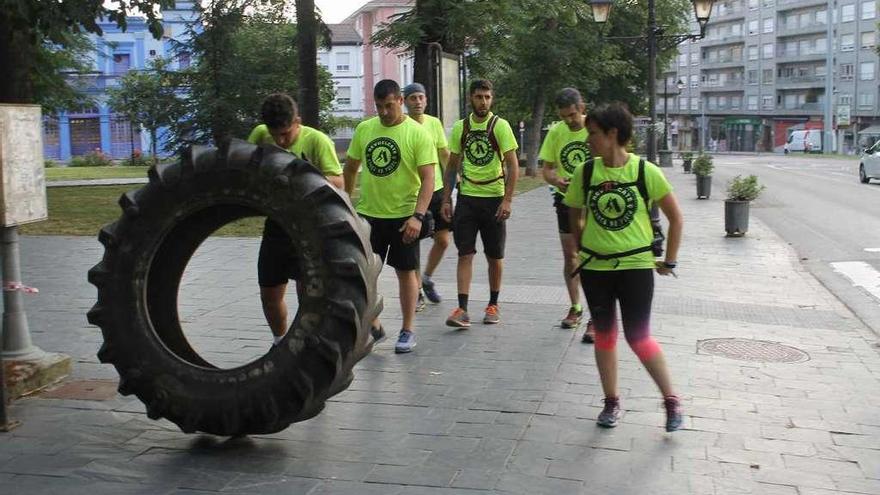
(83, 210)
(87, 173)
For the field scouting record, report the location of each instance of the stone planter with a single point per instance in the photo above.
(686, 165)
(736, 218)
(704, 186)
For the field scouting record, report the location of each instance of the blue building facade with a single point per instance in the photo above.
(79, 131)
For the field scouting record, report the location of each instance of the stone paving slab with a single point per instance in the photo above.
(495, 409)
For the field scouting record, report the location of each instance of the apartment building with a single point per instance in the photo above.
(761, 70)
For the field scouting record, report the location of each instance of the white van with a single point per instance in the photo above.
(808, 141)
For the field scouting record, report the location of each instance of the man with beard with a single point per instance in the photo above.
(564, 149)
(482, 147)
(415, 100)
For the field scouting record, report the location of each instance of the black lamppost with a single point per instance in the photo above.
(654, 34)
(680, 85)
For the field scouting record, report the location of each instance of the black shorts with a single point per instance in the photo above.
(436, 205)
(562, 221)
(472, 215)
(278, 260)
(387, 241)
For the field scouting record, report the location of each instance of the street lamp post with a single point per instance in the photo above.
(654, 34)
(679, 85)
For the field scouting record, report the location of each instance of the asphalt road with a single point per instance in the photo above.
(818, 205)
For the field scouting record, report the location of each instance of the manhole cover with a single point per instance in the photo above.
(752, 350)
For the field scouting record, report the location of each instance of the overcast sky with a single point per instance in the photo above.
(334, 11)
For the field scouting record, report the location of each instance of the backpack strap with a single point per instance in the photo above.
(493, 141)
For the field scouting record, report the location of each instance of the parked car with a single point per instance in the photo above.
(869, 166)
(808, 141)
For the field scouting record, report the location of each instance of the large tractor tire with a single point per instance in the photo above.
(148, 248)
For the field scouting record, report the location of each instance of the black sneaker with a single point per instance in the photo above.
(430, 291)
(590, 333)
(610, 415)
(673, 413)
(378, 334)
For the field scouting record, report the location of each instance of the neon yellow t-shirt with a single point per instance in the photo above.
(311, 145)
(566, 149)
(435, 129)
(617, 219)
(479, 161)
(390, 158)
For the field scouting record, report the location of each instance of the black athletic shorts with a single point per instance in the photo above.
(561, 214)
(278, 261)
(436, 205)
(477, 215)
(387, 241)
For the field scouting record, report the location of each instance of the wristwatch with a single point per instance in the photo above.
(670, 264)
(419, 216)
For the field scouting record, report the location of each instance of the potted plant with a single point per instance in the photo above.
(740, 192)
(687, 157)
(703, 168)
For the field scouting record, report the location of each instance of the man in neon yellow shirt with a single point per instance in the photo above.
(416, 101)
(482, 147)
(565, 148)
(396, 186)
(277, 261)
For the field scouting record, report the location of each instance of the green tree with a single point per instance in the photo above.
(243, 51)
(26, 24)
(61, 73)
(148, 99)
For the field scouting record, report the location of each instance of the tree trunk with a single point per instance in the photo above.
(18, 48)
(307, 45)
(153, 146)
(533, 133)
(423, 72)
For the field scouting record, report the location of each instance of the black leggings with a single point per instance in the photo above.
(634, 289)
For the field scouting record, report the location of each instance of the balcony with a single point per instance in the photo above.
(730, 39)
(723, 63)
(802, 109)
(726, 86)
(815, 28)
(785, 5)
(801, 82)
(786, 57)
(728, 15)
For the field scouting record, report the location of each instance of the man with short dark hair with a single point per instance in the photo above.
(277, 261)
(564, 149)
(415, 99)
(396, 186)
(482, 147)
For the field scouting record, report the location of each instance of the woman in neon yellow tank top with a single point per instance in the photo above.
(609, 199)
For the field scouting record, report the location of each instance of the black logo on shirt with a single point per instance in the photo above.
(574, 154)
(478, 149)
(383, 156)
(613, 208)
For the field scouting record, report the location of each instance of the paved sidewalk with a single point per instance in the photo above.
(97, 182)
(509, 408)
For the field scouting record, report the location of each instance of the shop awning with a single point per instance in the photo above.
(873, 130)
(742, 121)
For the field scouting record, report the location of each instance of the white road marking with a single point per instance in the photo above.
(861, 274)
(873, 250)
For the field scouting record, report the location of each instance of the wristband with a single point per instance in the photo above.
(419, 216)
(670, 264)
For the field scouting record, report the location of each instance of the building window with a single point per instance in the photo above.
(767, 102)
(324, 60)
(768, 25)
(695, 103)
(844, 99)
(752, 103)
(343, 62)
(183, 60)
(683, 60)
(736, 102)
(682, 103)
(869, 10)
(695, 58)
(753, 53)
(866, 71)
(768, 3)
(847, 13)
(821, 16)
(767, 76)
(121, 63)
(753, 4)
(847, 42)
(866, 100)
(819, 70)
(821, 45)
(846, 72)
(343, 96)
(753, 26)
(752, 76)
(768, 50)
(712, 102)
(869, 39)
(695, 81)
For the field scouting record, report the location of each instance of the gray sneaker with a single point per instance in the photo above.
(673, 413)
(405, 342)
(492, 315)
(610, 415)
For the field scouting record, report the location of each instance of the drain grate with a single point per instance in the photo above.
(752, 350)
